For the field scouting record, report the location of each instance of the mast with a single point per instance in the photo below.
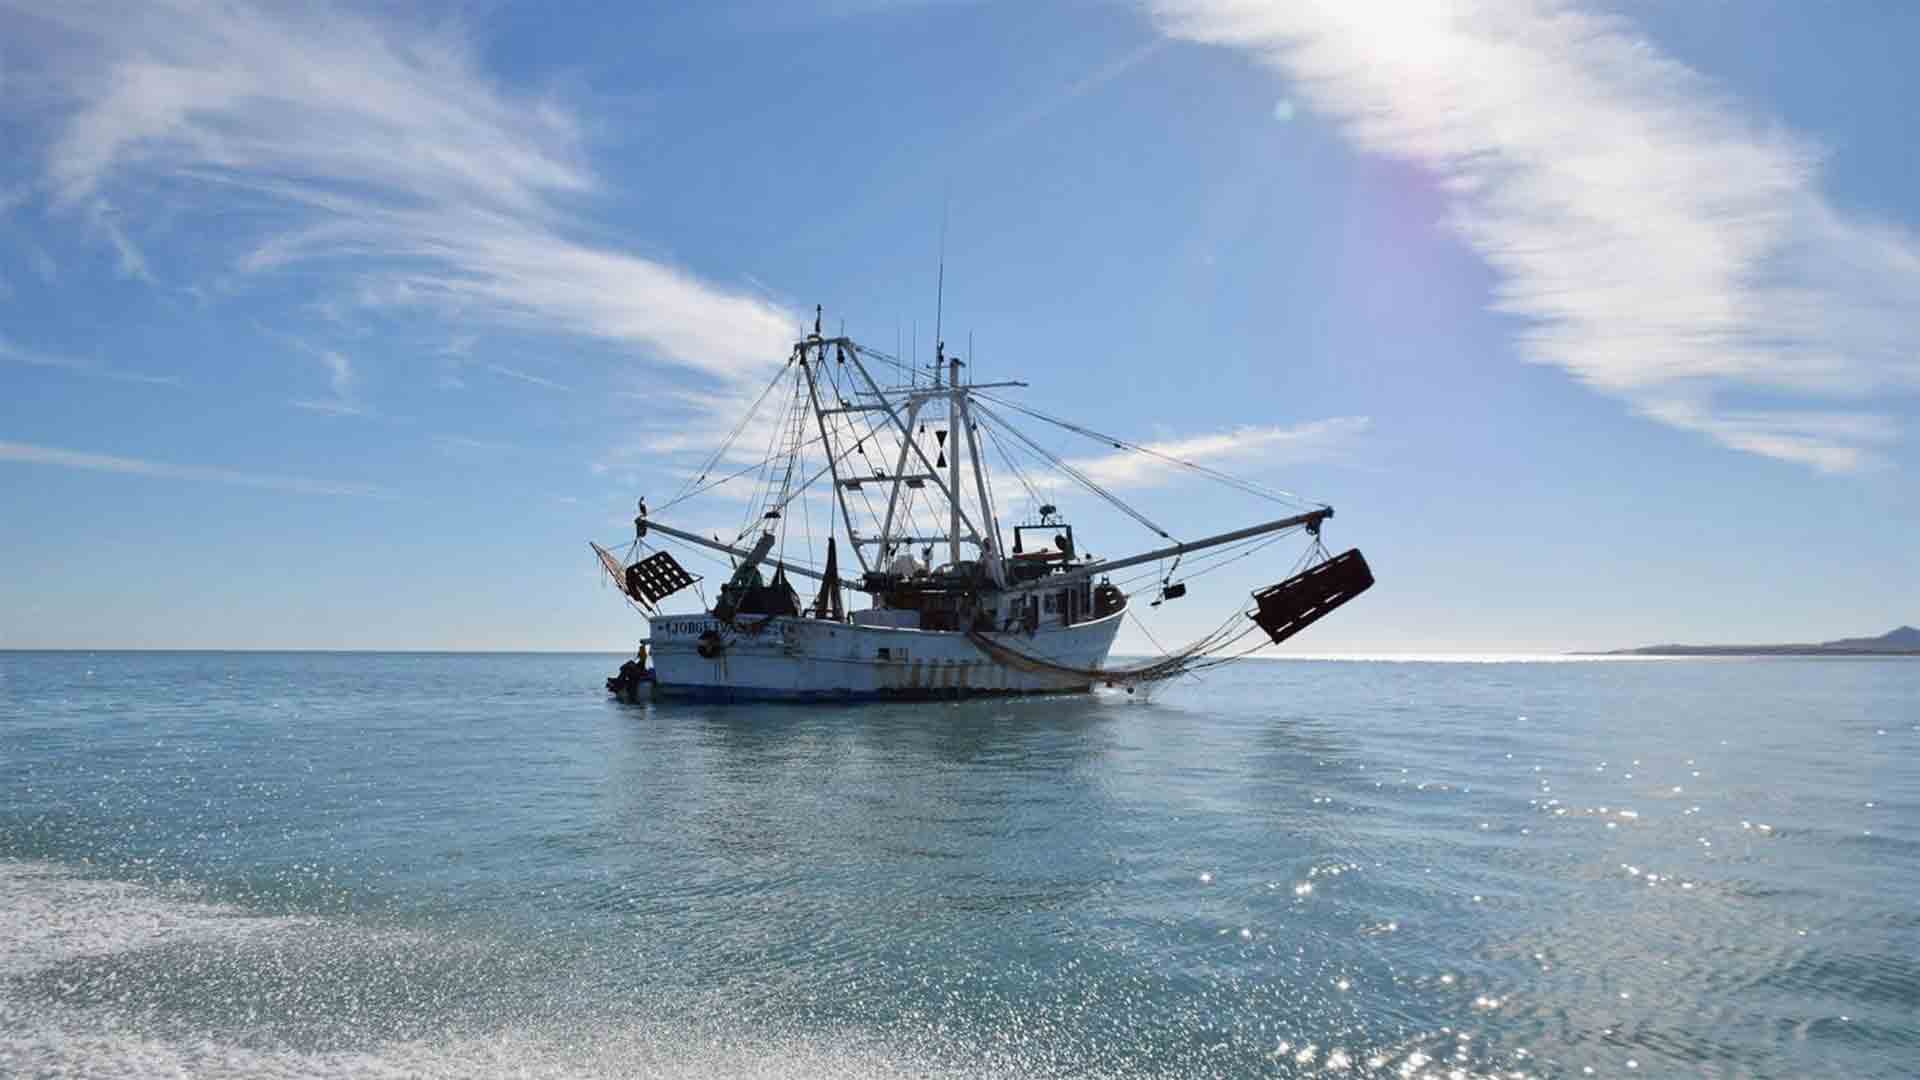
(906, 436)
(954, 411)
(980, 477)
(833, 460)
(893, 493)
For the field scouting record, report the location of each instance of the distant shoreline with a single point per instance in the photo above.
(1750, 650)
(1900, 641)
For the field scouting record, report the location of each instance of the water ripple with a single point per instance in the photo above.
(403, 865)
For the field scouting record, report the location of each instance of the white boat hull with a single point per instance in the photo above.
(798, 659)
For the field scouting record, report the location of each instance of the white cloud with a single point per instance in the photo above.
(339, 373)
(1241, 446)
(342, 380)
(380, 148)
(697, 421)
(13, 352)
(536, 380)
(331, 406)
(469, 450)
(1045, 107)
(1659, 244)
(106, 220)
(43, 264)
(30, 454)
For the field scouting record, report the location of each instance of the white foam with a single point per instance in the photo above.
(69, 1043)
(49, 915)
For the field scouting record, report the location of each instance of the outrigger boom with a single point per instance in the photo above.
(1311, 520)
(642, 525)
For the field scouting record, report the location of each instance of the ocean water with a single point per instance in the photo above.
(458, 865)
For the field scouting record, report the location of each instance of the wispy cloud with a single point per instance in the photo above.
(525, 377)
(342, 398)
(331, 406)
(77, 366)
(132, 262)
(1241, 446)
(339, 373)
(469, 450)
(1659, 243)
(696, 422)
(1046, 106)
(384, 152)
(464, 442)
(30, 454)
(43, 264)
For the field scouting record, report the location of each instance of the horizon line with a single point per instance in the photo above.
(1411, 656)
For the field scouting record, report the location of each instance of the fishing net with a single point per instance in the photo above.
(1281, 610)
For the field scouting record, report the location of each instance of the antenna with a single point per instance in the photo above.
(940, 289)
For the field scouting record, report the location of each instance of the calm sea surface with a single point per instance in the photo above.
(394, 865)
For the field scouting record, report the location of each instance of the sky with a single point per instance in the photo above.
(347, 326)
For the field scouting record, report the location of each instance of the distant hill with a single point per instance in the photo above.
(1901, 641)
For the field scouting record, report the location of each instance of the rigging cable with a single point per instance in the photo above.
(1082, 478)
(731, 436)
(722, 481)
(1012, 465)
(1246, 486)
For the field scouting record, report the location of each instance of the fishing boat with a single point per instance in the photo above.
(949, 601)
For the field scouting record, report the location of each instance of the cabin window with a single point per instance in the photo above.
(1047, 603)
(886, 654)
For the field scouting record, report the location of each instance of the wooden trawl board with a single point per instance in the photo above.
(1298, 602)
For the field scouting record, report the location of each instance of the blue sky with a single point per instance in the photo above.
(345, 327)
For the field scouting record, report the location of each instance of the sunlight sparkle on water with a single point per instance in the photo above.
(1013, 887)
